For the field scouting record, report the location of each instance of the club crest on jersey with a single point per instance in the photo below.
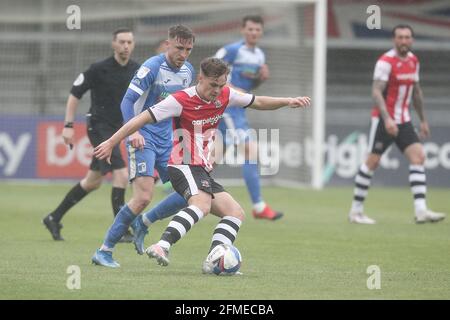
(142, 72)
(142, 167)
(205, 183)
(218, 104)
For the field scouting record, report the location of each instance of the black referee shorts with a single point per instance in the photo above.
(380, 140)
(98, 132)
(187, 180)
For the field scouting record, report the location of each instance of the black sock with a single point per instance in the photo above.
(117, 199)
(72, 197)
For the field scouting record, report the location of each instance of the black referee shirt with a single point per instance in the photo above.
(108, 82)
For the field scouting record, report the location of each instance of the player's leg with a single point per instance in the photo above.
(236, 131)
(171, 205)
(379, 141)
(231, 214)
(90, 182)
(194, 184)
(141, 166)
(408, 142)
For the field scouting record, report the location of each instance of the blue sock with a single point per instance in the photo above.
(171, 205)
(119, 227)
(251, 177)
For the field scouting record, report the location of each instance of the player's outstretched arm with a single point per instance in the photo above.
(103, 150)
(273, 103)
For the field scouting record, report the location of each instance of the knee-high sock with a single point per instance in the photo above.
(72, 198)
(226, 231)
(417, 181)
(118, 228)
(251, 177)
(362, 184)
(172, 204)
(181, 223)
(117, 199)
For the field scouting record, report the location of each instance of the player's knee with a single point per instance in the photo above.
(373, 162)
(141, 201)
(91, 184)
(204, 207)
(418, 158)
(239, 213)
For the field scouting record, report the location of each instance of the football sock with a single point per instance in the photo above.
(119, 227)
(251, 177)
(225, 231)
(117, 199)
(181, 223)
(259, 207)
(417, 181)
(362, 184)
(72, 197)
(172, 204)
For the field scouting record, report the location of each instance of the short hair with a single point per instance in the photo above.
(214, 67)
(121, 30)
(402, 26)
(182, 32)
(253, 18)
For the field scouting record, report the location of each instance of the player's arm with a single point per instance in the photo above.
(81, 84)
(139, 84)
(165, 109)
(418, 106)
(378, 88)
(103, 150)
(273, 103)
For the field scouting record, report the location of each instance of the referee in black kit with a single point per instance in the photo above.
(108, 81)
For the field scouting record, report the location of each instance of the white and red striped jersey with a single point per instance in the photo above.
(195, 122)
(400, 75)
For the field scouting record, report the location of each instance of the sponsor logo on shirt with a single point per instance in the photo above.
(406, 76)
(142, 72)
(211, 120)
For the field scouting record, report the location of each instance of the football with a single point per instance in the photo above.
(226, 259)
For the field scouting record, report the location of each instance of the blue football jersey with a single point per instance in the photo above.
(154, 81)
(244, 63)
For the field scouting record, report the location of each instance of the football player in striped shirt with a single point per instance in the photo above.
(395, 84)
(196, 112)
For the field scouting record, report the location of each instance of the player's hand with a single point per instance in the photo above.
(391, 127)
(67, 135)
(136, 140)
(424, 130)
(299, 102)
(104, 150)
(264, 72)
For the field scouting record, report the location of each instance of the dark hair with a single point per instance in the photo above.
(214, 67)
(121, 30)
(182, 32)
(402, 26)
(253, 18)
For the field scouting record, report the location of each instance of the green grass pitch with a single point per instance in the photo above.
(312, 253)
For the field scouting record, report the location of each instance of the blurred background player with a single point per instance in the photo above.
(150, 147)
(248, 71)
(198, 110)
(108, 80)
(395, 81)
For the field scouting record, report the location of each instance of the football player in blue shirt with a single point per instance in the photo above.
(248, 70)
(150, 147)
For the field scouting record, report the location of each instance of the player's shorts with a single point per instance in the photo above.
(187, 180)
(142, 163)
(380, 140)
(98, 132)
(234, 126)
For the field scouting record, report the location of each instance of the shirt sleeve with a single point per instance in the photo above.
(83, 82)
(382, 70)
(168, 108)
(416, 76)
(240, 99)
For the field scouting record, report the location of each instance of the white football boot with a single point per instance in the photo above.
(423, 216)
(360, 218)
